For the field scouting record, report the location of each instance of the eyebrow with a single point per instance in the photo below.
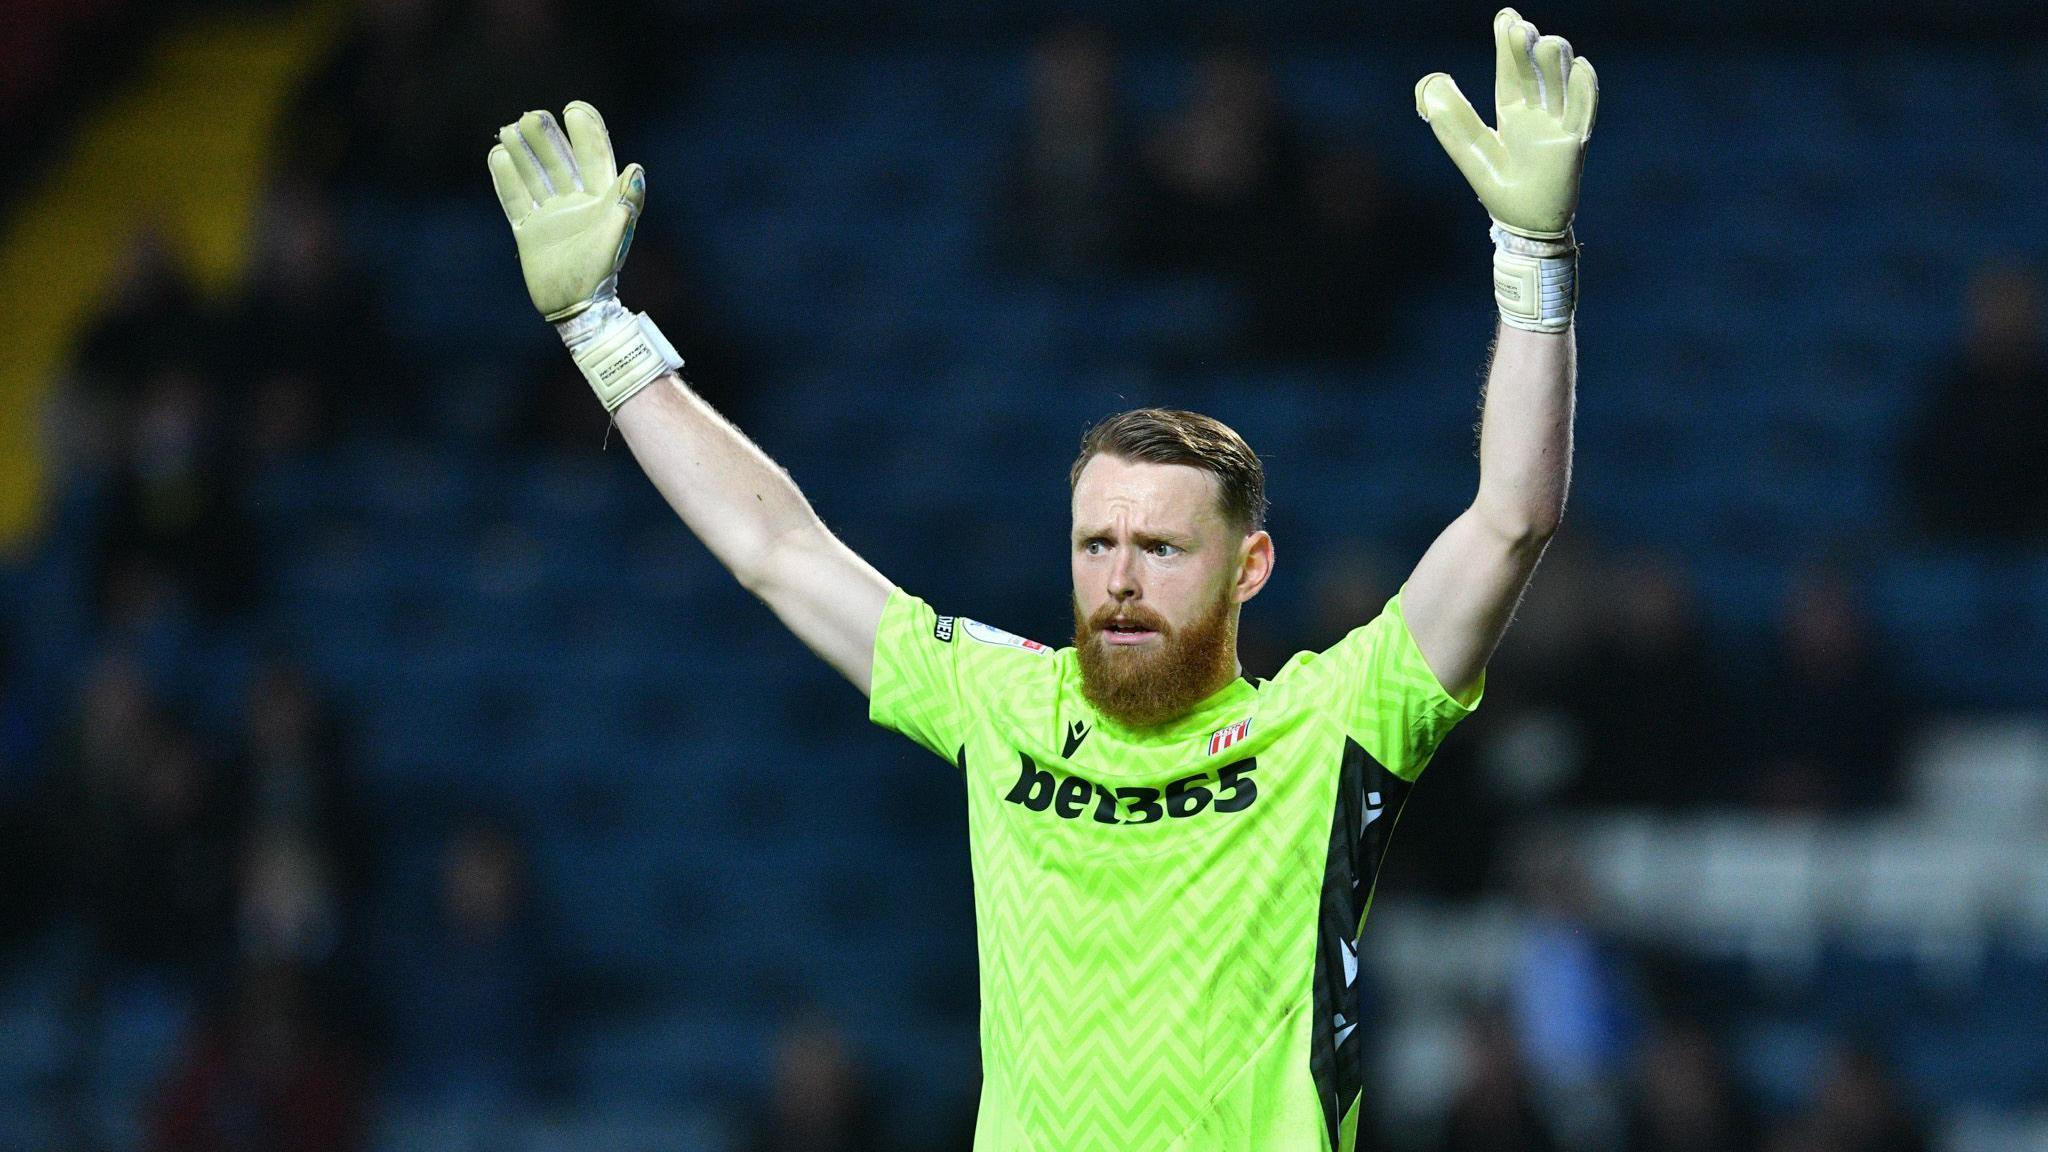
(1140, 538)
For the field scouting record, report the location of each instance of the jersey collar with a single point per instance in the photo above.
(1227, 704)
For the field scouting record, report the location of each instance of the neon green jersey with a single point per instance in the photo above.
(1168, 919)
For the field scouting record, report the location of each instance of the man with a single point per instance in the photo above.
(1172, 865)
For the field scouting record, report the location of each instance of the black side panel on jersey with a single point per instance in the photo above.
(1369, 800)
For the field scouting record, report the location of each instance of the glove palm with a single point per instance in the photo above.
(572, 212)
(1526, 171)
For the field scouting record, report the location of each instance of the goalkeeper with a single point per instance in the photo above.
(1172, 864)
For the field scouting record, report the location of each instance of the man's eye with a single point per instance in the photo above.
(1164, 550)
(1095, 547)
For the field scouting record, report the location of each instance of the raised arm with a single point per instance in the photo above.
(573, 215)
(746, 509)
(1462, 594)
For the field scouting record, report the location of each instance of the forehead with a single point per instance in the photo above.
(1113, 492)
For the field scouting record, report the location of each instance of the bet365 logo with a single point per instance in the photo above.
(1232, 789)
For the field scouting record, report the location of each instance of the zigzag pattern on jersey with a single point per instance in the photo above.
(1128, 973)
(1146, 984)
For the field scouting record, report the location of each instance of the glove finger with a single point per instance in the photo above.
(1553, 64)
(1472, 146)
(631, 188)
(1582, 99)
(630, 191)
(550, 150)
(1514, 74)
(513, 195)
(591, 144)
(525, 163)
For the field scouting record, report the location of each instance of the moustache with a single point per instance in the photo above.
(1129, 615)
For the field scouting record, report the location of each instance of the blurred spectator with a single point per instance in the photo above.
(1685, 1099)
(262, 1077)
(1495, 1107)
(287, 914)
(1351, 582)
(1317, 294)
(1570, 994)
(27, 897)
(1798, 1134)
(1520, 750)
(1859, 1107)
(172, 551)
(153, 317)
(820, 1100)
(305, 373)
(1560, 621)
(37, 81)
(1649, 699)
(1223, 177)
(469, 1018)
(1827, 718)
(1067, 182)
(172, 539)
(1973, 463)
(164, 865)
(115, 709)
(148, 828)
(1526, 744)
(409, 104)
(372, 119)
(512, 55)
(294, 777)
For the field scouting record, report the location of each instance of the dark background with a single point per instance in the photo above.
(383, 766)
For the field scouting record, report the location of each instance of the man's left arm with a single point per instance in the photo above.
(1460, 597)
(1462, 594)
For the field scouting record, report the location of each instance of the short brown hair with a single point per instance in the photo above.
(1171, 436)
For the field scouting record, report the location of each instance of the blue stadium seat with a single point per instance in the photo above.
(671, 1057)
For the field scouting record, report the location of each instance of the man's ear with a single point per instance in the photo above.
(1254, 565)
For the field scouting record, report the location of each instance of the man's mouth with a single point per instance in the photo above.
(1126, 632)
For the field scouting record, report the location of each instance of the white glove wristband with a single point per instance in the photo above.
(619, 352)
(1535, 282)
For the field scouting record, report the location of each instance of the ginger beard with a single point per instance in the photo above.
(1148, 685)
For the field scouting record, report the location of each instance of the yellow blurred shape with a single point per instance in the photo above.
(184, 151)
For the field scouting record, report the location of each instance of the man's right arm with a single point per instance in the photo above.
(573, 215)
(747, 510)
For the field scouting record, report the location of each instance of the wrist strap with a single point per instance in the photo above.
(619, 352)
(1535, 281)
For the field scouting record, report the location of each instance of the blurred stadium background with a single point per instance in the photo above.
(383, 767)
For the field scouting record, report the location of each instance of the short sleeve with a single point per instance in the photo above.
(1376, 684)
(939, 678)
(916, 684)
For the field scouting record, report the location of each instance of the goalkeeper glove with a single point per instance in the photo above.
(1526, 170)
(572, 214)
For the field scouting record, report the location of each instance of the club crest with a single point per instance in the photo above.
(1225, 737)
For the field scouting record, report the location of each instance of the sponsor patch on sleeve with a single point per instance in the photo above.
(991, 635)
(942, 629)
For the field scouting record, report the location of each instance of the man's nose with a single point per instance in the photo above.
(1123, 576)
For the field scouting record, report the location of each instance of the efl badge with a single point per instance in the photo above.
(1224, 737)
(1000, 638)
